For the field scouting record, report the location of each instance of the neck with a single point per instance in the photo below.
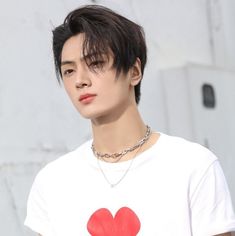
(120, 133)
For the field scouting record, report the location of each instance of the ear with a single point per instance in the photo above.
(135, 73)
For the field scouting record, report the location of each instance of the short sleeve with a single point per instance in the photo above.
(37, 217)
(211, 205)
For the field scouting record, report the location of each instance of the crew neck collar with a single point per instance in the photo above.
(142, 157)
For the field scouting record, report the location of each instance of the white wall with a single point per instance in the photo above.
(188, 117)
(37, 121)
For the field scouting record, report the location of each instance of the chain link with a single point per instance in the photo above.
(119, 155)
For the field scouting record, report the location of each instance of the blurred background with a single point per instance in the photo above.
(188, 88)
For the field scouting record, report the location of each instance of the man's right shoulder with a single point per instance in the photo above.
(66, 161)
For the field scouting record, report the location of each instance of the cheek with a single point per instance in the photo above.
(117, 95)
(70, 90)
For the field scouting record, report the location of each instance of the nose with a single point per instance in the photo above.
(82, 79)
(81, 85)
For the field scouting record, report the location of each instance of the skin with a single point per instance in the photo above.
(113, 112)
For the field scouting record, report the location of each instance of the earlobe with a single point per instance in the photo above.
(135, 73)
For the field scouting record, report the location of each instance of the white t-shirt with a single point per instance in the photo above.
(176, 187)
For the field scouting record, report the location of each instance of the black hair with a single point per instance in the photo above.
(104, 30)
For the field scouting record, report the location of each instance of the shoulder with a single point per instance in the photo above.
(190, 163)
(76, 158)
(186, 153)
(184, 147)
(179, 142)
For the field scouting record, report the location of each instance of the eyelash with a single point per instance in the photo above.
(67, 72)
(96, 64)
(93, 65)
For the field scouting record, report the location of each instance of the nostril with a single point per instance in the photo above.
(81, 85)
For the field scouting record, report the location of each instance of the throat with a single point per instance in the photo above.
(126, 153)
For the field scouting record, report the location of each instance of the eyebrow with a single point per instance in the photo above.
(89, 56)
(83, 58)
(67, 63)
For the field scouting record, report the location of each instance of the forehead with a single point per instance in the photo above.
(73, 47)
(73, 50)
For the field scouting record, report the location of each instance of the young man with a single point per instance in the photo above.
(127, 180)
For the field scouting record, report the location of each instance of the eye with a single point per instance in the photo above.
(96, 64)
(67, 72)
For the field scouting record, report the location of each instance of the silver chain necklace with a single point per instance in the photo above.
(112, 185)
(118, 155)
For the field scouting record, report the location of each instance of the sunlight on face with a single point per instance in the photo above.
(91, 83)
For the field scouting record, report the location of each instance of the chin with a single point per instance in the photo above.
(101, 114)
(92, 115)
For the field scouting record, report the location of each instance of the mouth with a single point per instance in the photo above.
(87, 98)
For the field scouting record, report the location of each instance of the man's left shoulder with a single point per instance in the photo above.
(189, 151)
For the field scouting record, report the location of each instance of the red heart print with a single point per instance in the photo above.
(124, 223)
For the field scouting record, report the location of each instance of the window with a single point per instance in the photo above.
(208, 95)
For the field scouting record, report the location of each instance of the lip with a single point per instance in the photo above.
(86, 98)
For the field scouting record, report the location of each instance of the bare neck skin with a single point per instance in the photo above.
(115, 119)
(120, 131)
